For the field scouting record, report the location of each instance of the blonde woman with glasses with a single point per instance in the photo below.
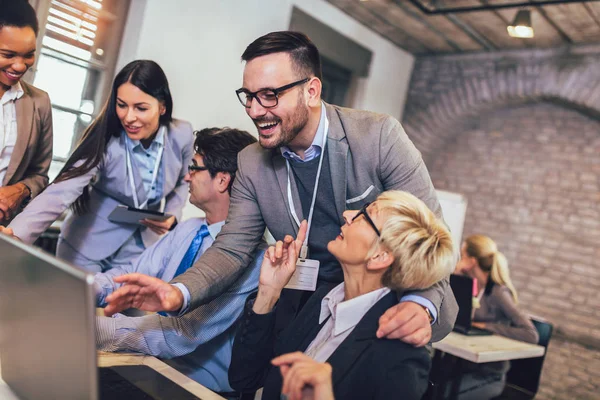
(498, 312)
(332, 349)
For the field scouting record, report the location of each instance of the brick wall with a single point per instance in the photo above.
(531, 172)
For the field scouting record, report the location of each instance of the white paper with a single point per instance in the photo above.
(306, 275)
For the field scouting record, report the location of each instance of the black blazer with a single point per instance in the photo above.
(364, 367)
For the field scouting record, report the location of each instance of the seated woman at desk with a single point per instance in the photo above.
(135, 154)
(497, 312)
(392, 245)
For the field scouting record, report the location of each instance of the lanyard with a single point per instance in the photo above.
(304, 250)
(128, 157)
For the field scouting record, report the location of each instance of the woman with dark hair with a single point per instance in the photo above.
(25, 112)
(135, 154)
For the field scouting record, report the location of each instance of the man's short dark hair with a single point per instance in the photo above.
(304, 53)
(18, 13)
(219, 148)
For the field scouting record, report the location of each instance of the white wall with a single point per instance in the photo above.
(199, 43)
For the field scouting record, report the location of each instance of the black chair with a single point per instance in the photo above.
(523, 378)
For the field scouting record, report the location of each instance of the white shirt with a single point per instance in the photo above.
(345, 315)
(8, 126)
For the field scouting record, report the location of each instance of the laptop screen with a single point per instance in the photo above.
(462, 286)
(47, 342)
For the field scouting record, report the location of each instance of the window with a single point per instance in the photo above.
(78, 46)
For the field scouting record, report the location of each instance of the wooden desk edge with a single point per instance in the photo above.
(114, 359)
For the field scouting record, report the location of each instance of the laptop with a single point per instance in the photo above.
(462, 286)
(47, 334)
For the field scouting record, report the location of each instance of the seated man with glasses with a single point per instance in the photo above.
(207, 332)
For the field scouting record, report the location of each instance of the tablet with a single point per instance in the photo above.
(130, 215)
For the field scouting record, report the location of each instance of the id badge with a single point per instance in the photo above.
(305, 276)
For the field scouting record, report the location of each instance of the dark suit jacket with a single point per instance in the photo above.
(364, 367)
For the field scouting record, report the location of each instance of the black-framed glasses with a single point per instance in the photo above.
(194, 168)
(363, 211)
(268, 98)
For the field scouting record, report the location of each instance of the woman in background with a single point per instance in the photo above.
(498, 312)
(135, 154)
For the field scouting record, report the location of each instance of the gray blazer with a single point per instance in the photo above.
(92, 234)
(368, 154)
(31, 157)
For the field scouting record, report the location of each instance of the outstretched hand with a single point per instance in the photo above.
(304, 378)
(145, 293)
(279, 262)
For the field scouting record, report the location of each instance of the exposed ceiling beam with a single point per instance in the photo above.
(454, 10)
(592, 14)
(550, 21)
(472, 33)
(391, 25)
(400, 4)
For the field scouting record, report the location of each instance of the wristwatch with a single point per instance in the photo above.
(428, 314)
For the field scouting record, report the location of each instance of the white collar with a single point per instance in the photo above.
(347, 314)
(15, 92)
(214, 229)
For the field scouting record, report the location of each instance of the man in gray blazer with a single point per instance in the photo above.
(287, 175)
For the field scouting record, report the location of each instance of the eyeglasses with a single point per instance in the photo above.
(363, 211)
(193, 168)
(268, 98)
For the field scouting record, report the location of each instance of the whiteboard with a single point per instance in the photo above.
(454, 207)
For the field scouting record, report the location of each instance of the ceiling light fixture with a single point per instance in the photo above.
(521, 26)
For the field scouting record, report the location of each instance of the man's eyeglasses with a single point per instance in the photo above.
(363, 211)
(268, 98)
(193, 168)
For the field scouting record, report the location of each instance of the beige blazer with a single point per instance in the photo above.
(32, 153)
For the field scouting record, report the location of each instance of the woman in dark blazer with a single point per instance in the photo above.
(133, 154)
(496, 310)
(392, 245)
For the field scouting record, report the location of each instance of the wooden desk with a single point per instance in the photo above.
(112, 359)
(477, 349)
(482, 349)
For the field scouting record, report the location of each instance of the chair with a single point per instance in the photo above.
(523, 378)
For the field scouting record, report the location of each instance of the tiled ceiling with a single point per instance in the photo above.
(405, 24)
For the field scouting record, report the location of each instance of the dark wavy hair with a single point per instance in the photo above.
(219, 148)
(146, 75)
(18, 13)
(305, 55)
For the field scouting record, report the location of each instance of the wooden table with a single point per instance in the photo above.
(480, 349)
(112, 359)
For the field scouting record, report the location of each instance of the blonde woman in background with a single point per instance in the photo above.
(498, 312)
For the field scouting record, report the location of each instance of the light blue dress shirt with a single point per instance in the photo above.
(202, 339)
(144, 160)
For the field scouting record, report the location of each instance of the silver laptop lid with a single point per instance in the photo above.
(47, 338)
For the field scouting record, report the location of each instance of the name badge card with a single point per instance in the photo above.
(305, 276)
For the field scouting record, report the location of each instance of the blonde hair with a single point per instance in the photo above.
(490, 260)
(419, 242)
